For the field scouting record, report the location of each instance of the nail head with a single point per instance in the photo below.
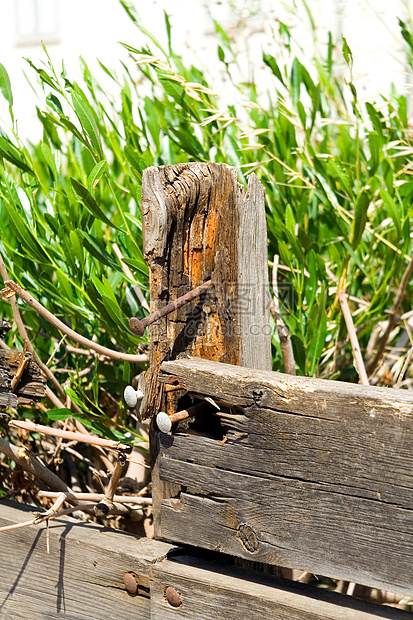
(163, 422)
(131, 583)
(173, 597)
(130, 396)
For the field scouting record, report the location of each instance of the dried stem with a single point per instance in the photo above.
(23, 333)
(117, 355)
(30, 464)
(106, 505)
(359, 363)
(129, 274)
(115, 477)
(71, 435)
(47, 517)
(282, 329)
(403, 370)
(98, 497)
(393, 318)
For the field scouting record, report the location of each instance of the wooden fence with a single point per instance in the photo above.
(274, 471)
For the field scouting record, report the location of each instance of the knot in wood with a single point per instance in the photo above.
(248, 537)
(258, 396)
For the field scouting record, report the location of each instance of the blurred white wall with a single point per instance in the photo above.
(93, 28)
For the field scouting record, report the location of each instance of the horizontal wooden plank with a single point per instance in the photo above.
(82, 578)
(318, 474)
(213, 592)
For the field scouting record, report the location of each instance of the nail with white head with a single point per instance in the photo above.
(132, 396)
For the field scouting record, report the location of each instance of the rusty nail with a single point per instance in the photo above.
(164, 421)
(131, 583)
(173, 597)
(137, 326)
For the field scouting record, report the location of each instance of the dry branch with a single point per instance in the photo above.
(98, 497)
(71, 435)
(393, 318)
(117, 355)
(359, 363)
(29, 463)
(47, 516)
(282, 329)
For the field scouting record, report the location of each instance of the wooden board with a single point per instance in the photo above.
(32, 385)
(313, 474)
(198, 223)
(82, 578)
(215, 592)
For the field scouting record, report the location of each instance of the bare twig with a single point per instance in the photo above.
(29, 463)
(403, 370)
(359, 363)
(23, 333)
(107, 503)
(47, 517)
(71, 435)
(115, 477)
(357, 300)
(117, 355)
(98, 497)
(393, 318)
(129, 274)
(282, 329)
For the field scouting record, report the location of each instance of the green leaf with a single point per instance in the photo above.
(317, 344)
(50, 160)
(12, 154)
(374, 146)
(5, 85)
(360, 218)
(393, 210)
(348, 56)
(97, 249)
(95, 175)
(137, 265)
(299, 352)
(173, 89)
(86, 117)
(90, 203)
(272, 64)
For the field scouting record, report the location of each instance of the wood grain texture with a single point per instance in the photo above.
(5, 327)
(214, 592)
(82, 579)
(32, 385)
(313, 474)
(198, 223)
(7, 400)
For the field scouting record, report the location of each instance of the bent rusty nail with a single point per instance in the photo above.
(137, 326)
(164, 421)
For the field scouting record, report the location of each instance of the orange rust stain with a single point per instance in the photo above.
(212, 346)
(210, 239)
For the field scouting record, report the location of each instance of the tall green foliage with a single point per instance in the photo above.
(337, 177)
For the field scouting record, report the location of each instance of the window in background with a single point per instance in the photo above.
(37, 21)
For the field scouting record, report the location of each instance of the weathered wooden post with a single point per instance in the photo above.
(21, 381)
(200, 224)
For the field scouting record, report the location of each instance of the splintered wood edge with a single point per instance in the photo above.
(215, 379)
